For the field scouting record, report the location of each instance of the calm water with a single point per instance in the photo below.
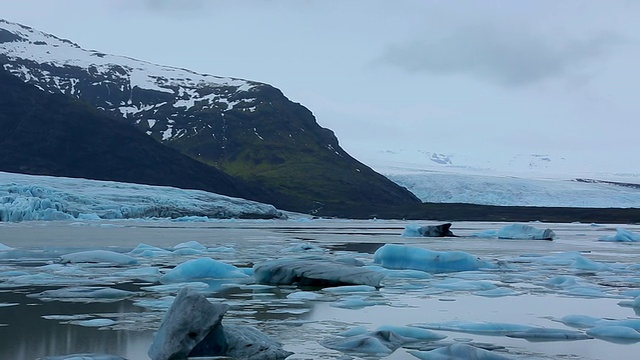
(32, 328)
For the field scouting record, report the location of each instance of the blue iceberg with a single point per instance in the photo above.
(622, 235)
(202, 269)
(394, 256)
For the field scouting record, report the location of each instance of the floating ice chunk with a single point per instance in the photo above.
(191, 245)
(356, 302)
(463, 285)
(487, 234)
(201, 270)
(583, 263)
(377, 342)
(635, 303)
(98, 256)
(192, 327)
(43, 279)
(187, 251)
(407, 273)
(151, 274)
(84, 294)
(148, 250)
(407, 257)
(312, 272)
(414, 230)
(481, 328)
(498, 292)
(84, 357)
(548, 334)
(221, 249)
(8, 304)
(580, 321)
(4, 247)
(562, 281)
(174, 288)
(622, 235)
(350, 289)
(615, 333)
(413, 332)
(358, 330)
(304, 295)
(457, 351)
(519, 231)
(94, 322)
(188, 321)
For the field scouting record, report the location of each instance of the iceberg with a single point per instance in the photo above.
(622, 235)
(192, 327)
(382, 342)
(314, 272)
(4, 247)
(519, 232)
(402, 257)
(202, 269)
(31, 197)
(615, 334)
(84, 294)
(413, 230)
(480, 328)
(457, 351)
(98, 256)
(547, 334)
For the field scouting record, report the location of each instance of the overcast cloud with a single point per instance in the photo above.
(488, 78)
(506, 56)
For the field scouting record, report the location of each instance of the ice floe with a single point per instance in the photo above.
(314, 272)
(98, 256)
(203, 269)
(518, 231)
(622, 235)
(394, 256)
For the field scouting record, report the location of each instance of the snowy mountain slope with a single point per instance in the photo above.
(441, 187)
(148, 94)
(536, 166)
(518, 180)
(29, 197)
(247, 129)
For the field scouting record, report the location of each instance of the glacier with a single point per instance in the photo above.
(31, 197)
(441, 187)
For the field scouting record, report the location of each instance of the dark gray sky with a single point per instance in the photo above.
(488, 78)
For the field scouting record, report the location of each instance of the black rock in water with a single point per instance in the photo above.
(436, 230)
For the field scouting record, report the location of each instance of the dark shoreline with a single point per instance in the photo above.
(473, 212)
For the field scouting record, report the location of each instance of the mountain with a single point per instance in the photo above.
(247, 129)
(54, 134)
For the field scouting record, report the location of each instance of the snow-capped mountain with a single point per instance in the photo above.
(518, 180)
(249, 130)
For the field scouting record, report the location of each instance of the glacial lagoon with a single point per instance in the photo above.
(533, 283)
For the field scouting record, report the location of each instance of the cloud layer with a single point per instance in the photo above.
(511, 57)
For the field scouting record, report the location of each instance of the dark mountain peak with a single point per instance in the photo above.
(14, 32)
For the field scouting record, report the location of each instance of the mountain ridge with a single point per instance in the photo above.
(247, 129)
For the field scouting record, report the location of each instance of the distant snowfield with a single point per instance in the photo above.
(29, 197)
(522, 180)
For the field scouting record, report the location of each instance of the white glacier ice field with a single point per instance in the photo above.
(102, 286)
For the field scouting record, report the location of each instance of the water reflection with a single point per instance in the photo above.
(29, 336)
